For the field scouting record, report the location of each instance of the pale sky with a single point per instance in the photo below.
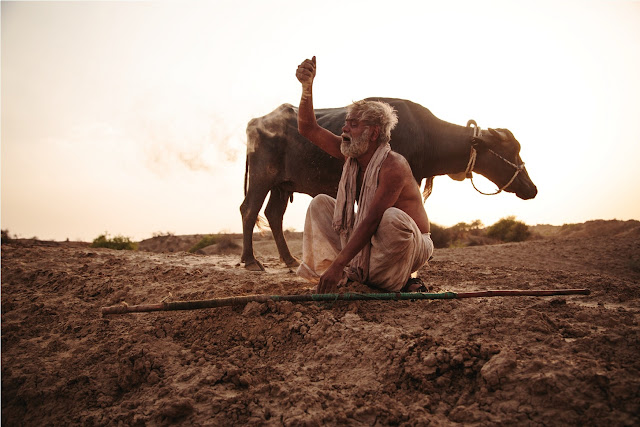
(129, 117)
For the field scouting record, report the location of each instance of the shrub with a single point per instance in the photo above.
(6, 238)
(509, 230)
(456, 236)
(440, 236)
(571, 228)
(224, 241)
(161, 234)
(117, 242)
(208, 240)
(461, 232)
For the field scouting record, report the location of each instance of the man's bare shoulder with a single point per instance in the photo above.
(397, 163)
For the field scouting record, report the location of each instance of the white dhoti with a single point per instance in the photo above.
(398, 247)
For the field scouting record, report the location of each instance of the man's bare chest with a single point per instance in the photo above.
(359, 181)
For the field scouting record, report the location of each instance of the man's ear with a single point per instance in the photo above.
(375, 134)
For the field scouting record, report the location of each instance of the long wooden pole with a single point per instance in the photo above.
(395, 296)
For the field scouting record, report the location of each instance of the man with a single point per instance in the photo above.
(389, 237)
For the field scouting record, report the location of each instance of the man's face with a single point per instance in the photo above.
(355, 138)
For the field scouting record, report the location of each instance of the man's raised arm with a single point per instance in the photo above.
(307, 124)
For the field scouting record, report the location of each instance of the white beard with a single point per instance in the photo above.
(357, 146)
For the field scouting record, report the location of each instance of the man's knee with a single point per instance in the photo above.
(396, 230)
(322, 202)
(396, 219)
(323, 198)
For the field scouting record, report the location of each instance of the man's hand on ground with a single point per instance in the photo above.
(330, 279)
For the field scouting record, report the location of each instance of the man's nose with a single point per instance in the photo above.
(346, 128)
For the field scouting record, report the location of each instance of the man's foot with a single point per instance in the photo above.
(414, 284)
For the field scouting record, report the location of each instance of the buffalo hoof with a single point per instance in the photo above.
(254, 265)
(292, 263)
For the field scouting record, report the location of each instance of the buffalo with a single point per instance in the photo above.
(281, 161)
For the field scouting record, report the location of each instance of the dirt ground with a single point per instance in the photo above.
(571, 360)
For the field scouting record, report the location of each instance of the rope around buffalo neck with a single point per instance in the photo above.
(472, 163)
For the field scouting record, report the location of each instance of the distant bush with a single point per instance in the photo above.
(163, 234)
(509, 230)
(208, 240)
(224, 241)
(571, 228)
(117, 242)
(461, 232)
(6, 238)
(440, 236)
(457, 236)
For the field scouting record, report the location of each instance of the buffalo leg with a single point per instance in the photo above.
(249, 209)
(275, 212)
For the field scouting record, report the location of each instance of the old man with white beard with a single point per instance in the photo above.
(389, 236)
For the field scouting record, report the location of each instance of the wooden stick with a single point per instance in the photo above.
(511, 293)
(395, 296)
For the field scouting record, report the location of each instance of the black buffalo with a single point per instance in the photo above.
(281, 161)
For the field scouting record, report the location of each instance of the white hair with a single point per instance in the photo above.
(375, 113)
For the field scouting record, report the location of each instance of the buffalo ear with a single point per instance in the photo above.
(503, 139)
(506, 140)
(497, 134)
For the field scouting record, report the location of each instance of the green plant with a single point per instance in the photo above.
(161, 234)
(117, 242)
(6, 238)
(509, 230)
(224, 241)
(462, 230)
(440, 236)
(208, 240)
(457, 236)
(570, 228)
